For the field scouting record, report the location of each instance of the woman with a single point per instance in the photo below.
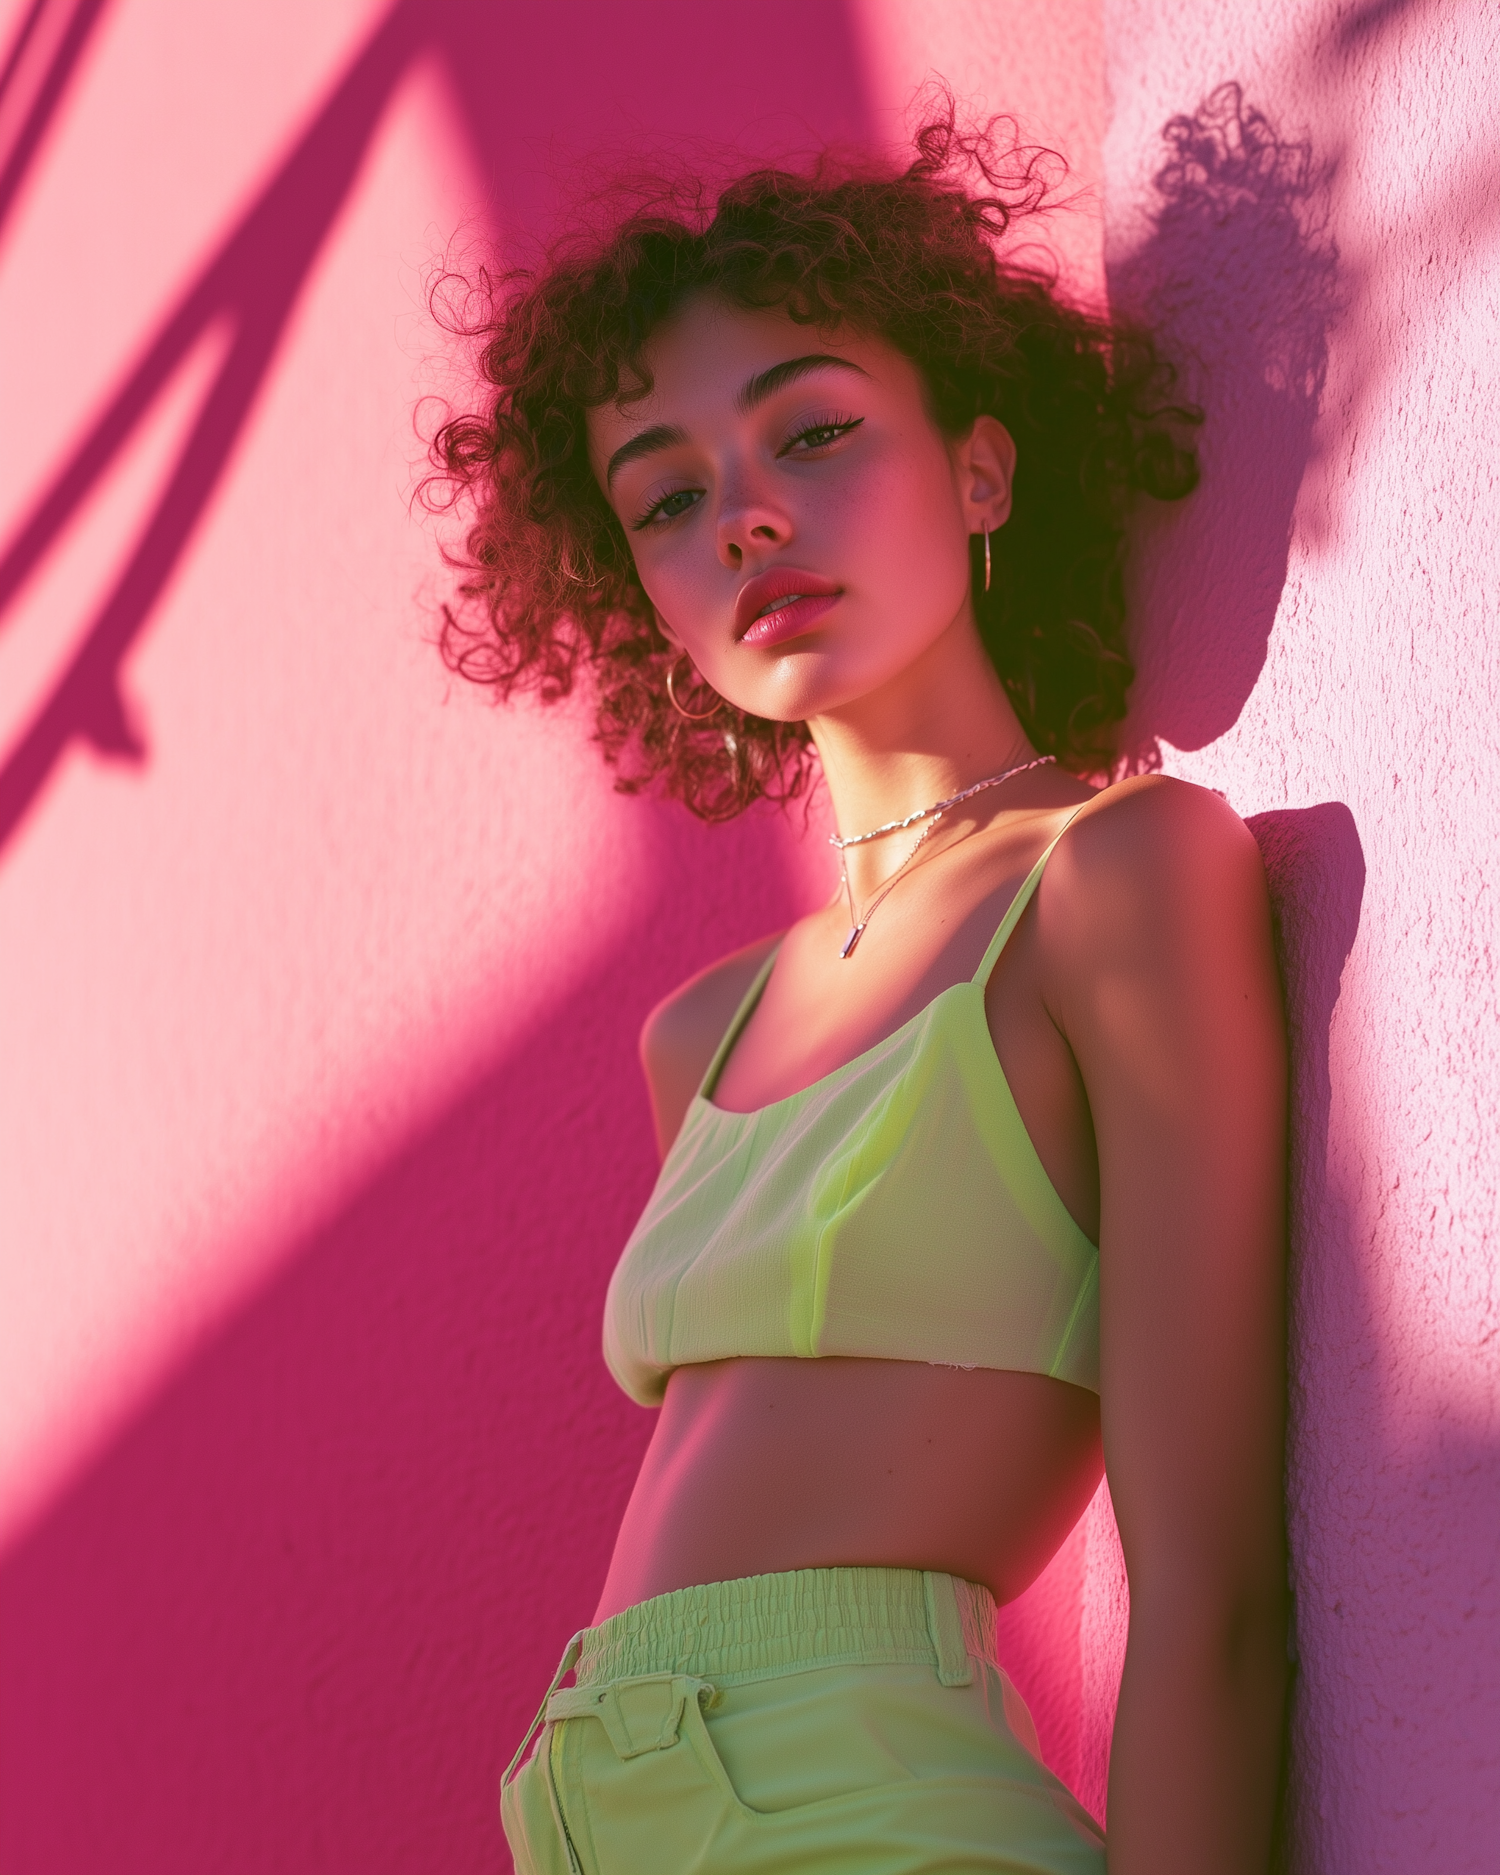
(973, 1179)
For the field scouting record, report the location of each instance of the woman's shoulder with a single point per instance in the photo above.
(679, 1036)
(687, 1026)
(1150, 825)
(1149, 854)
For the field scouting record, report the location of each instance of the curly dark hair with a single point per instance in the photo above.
(547, 574)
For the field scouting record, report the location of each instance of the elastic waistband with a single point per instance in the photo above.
(757, 1626)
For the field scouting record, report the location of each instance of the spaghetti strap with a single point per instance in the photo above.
(1019, 903)
(741, 1016)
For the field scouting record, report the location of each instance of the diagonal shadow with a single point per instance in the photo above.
(253, 282)
(303, 1603)
(74, 32)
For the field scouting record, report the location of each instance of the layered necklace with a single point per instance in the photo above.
(932, 815)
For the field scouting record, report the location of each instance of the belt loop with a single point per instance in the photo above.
(565, 1666)
(946, 1630)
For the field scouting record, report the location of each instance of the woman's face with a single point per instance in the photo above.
(798, 520)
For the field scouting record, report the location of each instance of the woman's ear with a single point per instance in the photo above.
(986, 463)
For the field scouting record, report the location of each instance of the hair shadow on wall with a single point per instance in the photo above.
(1315, 866)
(299, 1614)
(1239, 277)
(537, 87)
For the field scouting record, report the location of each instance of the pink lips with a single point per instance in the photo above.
(782, 603)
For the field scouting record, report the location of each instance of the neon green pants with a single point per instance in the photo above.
(850, 1720)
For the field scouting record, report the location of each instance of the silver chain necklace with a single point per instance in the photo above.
(932, 815)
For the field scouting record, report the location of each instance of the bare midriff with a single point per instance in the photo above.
(758, 1466)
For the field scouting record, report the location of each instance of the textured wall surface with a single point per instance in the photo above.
(319, 1120)
(1318, 639)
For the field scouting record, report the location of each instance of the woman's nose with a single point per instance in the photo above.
(748, 526)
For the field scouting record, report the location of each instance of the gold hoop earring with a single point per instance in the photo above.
(986, 559)
(700, 716)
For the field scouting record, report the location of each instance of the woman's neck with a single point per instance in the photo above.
(944, 724)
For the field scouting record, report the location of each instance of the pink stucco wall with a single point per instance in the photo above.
(1320, 642)
(319, 1124)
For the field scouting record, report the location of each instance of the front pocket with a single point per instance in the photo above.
(791, 1742)
(662, 1802)
(799, 1782)
(696, 1737)
(833, 1734)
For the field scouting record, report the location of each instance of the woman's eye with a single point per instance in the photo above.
(820, 435)
(669, 507)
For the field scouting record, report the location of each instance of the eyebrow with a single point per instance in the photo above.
(754, 391)
(659, 436)
(766, 383)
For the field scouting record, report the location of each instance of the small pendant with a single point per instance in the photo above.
(856, 932)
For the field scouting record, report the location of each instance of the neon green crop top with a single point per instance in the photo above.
(895, 1209)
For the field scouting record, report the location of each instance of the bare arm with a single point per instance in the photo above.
(680, 1035)
(1165, 986)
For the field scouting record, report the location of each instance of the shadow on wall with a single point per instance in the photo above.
(503, 65)
(1316, 869)
(298, 1615)
(1240, 279)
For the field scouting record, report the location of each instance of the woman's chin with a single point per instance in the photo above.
(807, 687)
